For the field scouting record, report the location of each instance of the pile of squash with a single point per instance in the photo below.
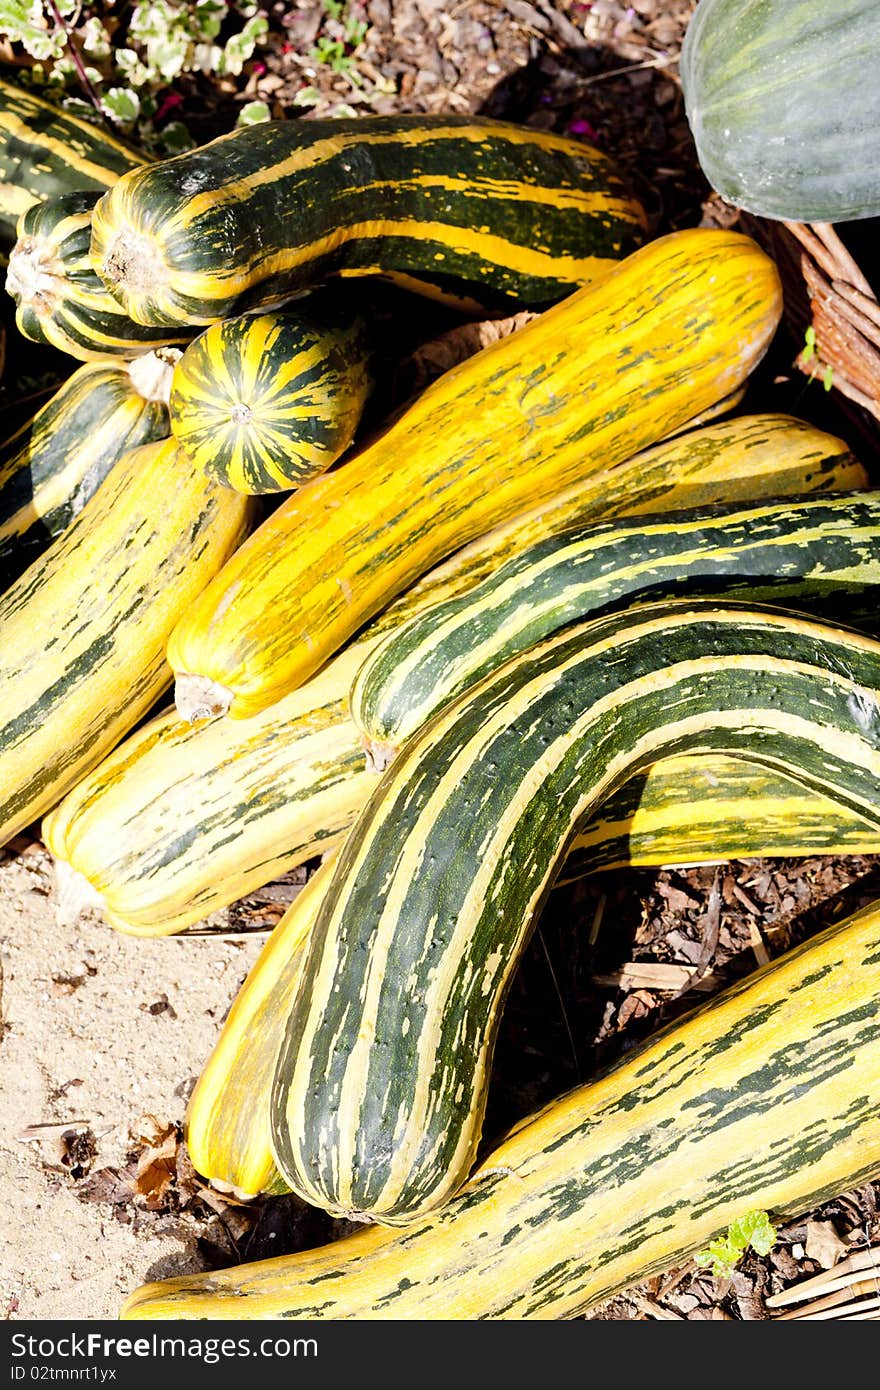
(565, 611)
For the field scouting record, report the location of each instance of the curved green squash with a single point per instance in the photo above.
(264, 402)
(52, 465)
(45, 151)
(682, 810)
(617, 366)
(819, 555)
(380, 1086)
(455, 205)
(767, 1097)
(783, 101)
(59, 298)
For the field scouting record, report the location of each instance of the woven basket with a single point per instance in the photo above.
(824, 288)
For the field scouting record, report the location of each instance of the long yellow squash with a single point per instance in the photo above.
(151, 829)
(766, 1097)
(83, 631)
(227, 1119)
(613, 368)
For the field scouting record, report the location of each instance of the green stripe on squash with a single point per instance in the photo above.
(820, 555)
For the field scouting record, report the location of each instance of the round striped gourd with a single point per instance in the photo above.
(45, 151)
(56, 461)
(618, 365)
(151, 829)
(380, 1085)
(767, 1097)
(482, 211)
(263, 403)
(59, 298)
(83, 630)
(783, 101)
(819, 555)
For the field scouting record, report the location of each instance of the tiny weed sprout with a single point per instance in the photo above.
(724, 1253)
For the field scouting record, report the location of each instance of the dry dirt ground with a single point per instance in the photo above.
(104, 1035)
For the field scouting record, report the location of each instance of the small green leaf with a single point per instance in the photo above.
(755, 1229)
(175, 138)
(828, 378)
(724, 1253)
(121, 104)
(253, 112)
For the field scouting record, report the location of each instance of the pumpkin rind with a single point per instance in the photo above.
(463, 207)
(241, 801)
(54, 463)
(783, 102)
(59, 298)
(45, 151)
(107, 591)
(818, 555)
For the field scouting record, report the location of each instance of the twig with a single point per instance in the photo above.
(571, 1041)
(840, 1277)
(78, 62)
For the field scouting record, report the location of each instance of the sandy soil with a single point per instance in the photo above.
(99, 1030)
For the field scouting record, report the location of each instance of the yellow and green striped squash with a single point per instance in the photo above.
(820, 555)
(264, 402)
(56, 461)
(684, 810)
(45, 151)
(150, 828)
(227, 1118)
(58, 297)
(620, 364)
(83, 630)
(380, 1086)
(766, 1097)
(183, 819)
(486, 212)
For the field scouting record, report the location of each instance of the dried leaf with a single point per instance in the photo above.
(824, 1245)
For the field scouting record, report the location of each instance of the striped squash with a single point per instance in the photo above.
(183, 819)
(820, 555)
(149, 829)
(677, 326)
(486, 212)
(44, 151)
(58, 297)
(55, 462)
(767, 1096)
(380, 1087)
(227, 1118)
(682, 810)
(83, 631)
(264, 402)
